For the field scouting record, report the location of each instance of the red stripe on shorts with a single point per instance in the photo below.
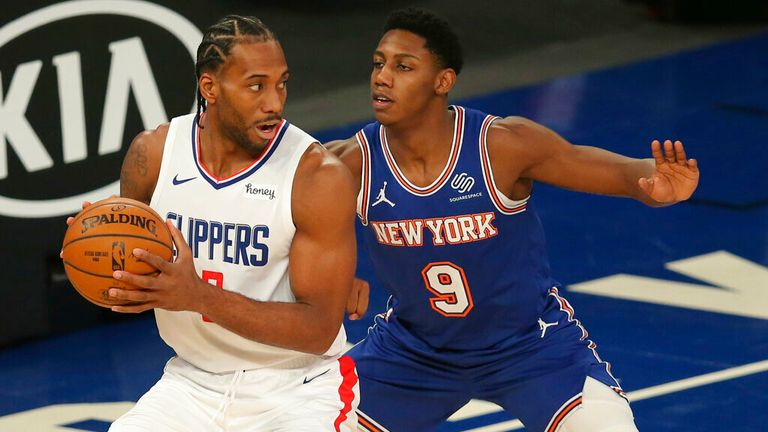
(346, 389)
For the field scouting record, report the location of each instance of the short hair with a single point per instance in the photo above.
(442, 40)
(218, 41)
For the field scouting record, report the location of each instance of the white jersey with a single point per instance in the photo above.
(240, 230)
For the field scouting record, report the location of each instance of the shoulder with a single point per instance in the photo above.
(516, 145)
(513, 129)
(148, 145)
(517, 137)
(153, 140)
(343, 148)
(141, 165)
(323, 170)
(323, 187)
(348, 151)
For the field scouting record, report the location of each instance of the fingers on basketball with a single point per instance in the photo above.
(101, 240)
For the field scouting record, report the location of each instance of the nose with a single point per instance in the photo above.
(273, 101)
(382, 77)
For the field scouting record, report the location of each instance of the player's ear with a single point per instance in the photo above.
(208, 87)
(444, 81)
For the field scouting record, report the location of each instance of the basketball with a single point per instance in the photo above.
(101, 239)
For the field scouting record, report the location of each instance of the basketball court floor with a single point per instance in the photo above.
(676, 298)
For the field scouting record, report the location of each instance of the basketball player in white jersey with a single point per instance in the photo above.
(263, 220)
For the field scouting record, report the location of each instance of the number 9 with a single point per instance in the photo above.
(448, 283)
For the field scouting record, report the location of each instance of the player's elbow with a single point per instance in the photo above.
(319, 328)
(323, 340)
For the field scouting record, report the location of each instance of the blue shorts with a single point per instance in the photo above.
(408, 386)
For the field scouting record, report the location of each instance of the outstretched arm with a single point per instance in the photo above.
(527, 150)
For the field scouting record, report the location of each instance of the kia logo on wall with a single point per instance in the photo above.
(78, 80)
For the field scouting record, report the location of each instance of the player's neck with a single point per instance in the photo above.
(421, 149)
(424, 137)
(220, 154)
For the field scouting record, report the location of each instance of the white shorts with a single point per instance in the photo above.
(322, 397)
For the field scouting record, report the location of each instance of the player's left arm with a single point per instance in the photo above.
(669, 177)
(321, 261)
(321, 265)
(323, 254)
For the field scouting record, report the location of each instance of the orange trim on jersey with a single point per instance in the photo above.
(346, 389)
(367, 425)
(563, 413)
(566, 307)
(365, 176)
(458, 139)
(258, 159)
(488, 172)
(620, 392)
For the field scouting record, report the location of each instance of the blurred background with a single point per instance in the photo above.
(79, 79)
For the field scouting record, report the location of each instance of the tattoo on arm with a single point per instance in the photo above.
(141, 159)
(134, 166)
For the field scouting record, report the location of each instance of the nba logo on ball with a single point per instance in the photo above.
(118, 255)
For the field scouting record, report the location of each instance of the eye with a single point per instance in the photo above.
(403, 67)
(378, 64)
(283, 84)
(255, 87)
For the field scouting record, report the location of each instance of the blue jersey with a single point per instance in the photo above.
(475, 313)
(466, 266)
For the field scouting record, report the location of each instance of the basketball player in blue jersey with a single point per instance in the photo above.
(263, 220)
(444, 197)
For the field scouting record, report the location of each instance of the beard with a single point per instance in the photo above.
(235, 128)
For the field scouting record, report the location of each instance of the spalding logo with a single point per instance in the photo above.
(129, 70)
(120, 218)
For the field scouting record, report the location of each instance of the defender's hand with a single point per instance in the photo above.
(675, 177)
(357, 302)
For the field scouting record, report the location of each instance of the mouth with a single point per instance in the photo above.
(381, 102)
(268, 129)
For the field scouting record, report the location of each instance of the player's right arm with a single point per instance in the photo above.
(141, 165)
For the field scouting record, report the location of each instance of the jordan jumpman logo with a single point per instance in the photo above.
(543, 326)
(382, 198)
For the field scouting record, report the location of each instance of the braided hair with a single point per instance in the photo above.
(218, 41)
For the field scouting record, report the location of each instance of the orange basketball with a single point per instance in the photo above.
(101, 240)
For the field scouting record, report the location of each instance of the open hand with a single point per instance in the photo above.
(675, 177)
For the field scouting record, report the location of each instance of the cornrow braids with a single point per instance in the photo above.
(218, 41)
